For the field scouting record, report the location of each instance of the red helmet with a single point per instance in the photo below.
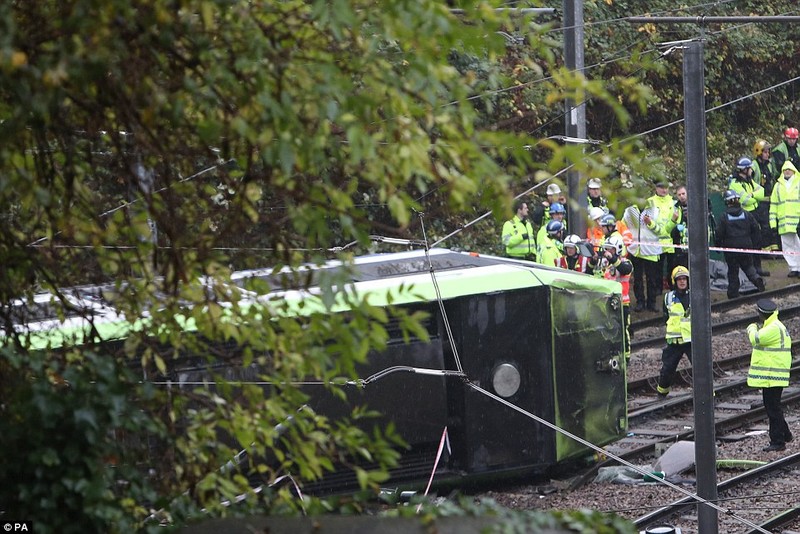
(790, 133)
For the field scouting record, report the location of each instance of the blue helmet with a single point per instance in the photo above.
(557, 207)
(730, 196)
(554, 227)
(608, 220)
(743, 163)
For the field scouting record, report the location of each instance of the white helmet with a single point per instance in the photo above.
(596, 213)
(572, 240)
(615, 242)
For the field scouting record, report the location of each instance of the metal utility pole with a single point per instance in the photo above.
(694, 112)
(697, 189)
(575, 116)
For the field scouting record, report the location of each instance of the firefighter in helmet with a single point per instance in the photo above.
(677, 310)
(786, 150)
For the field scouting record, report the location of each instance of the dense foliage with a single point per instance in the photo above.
(152, 144)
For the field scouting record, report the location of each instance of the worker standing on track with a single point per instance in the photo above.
(612, 264)
(738, 229)
(769, 369)
(677, 309)
(751, 194)
(784, 216)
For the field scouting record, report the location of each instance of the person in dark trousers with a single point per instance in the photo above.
(765, 173)
(677, 310)
(751, 194)
(738, 229)
(769, 369)
(680, 234)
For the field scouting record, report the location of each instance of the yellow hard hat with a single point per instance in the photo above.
(759, 147)
(679, 271)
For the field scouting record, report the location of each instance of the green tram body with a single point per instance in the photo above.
(547, 340)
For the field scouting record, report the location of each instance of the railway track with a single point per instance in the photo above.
(787, 299)
(768, 520)
(656, 423)
(737, 410)
(723, 305)
(737, 407)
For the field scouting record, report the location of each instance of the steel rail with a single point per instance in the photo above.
(724, 305)
(747, 476)
(717, 328)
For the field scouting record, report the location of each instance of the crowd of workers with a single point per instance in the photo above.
(762, 212)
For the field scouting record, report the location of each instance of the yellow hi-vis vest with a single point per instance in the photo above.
(679, 322)
(784, 203)
(772, 354)
(516, 246)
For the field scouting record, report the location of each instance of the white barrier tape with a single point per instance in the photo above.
(719, 249)
(444, 441)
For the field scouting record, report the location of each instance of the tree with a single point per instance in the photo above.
(248, 133)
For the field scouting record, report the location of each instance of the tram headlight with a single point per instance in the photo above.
(614, 302)
(506, 380)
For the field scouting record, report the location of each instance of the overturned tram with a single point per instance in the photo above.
(517, 343)
(523, 366)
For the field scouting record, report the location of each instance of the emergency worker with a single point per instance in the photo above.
(737, 229)
(663, 205)
(750, 195)
(647, 279)
(595, 233)
(595, 198)
(784, 215)
(764, 170)
(786, 150)
(612, 227)
(765, 174)
(518, 238)
(572, 260)
(541, 213)
(769, 369)
(680, 233)
(557, 213)
(677, 311)
(612, 265)
(549, 248)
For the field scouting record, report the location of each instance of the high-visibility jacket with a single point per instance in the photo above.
(664, 222)
(597, 236)
(679, 320)
(542, 233)
(781, 153)
(548, 251)
(579, 263)
(784, 204)
(772, 354)
(619, 271)
(516, 246)
(750, 191)
(654, 227)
